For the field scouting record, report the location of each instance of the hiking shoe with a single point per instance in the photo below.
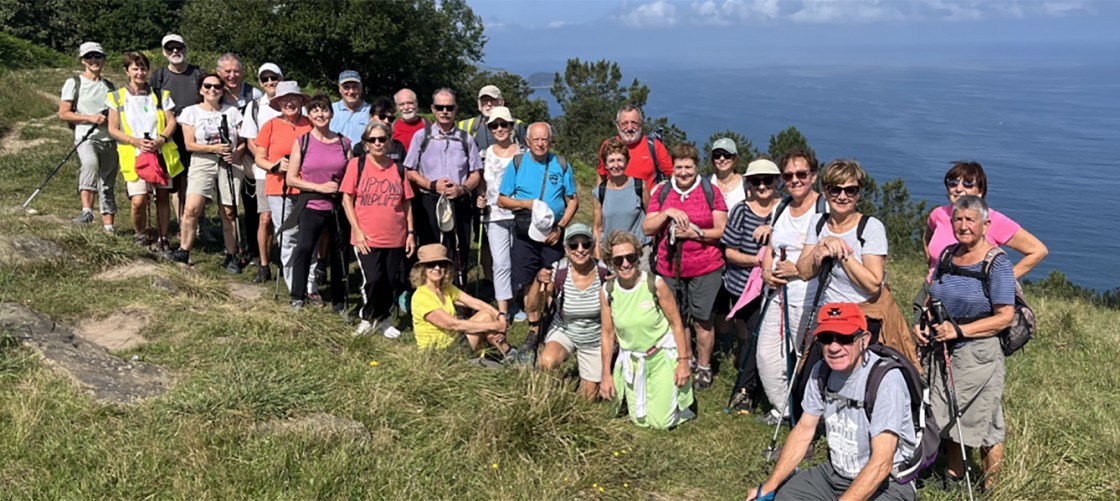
(84, 217)
(339, 308)
(771, 418)
(141, 240)
(109, 230)
(297, 304)
(264, 274)
(515, 357)
(231, 265)
(163, 246)
(364, 327)
(314, 299)
(389, 331)
(741, 404)
(180, 256)
(703, 377)
(520, 317)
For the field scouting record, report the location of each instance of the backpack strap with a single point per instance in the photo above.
(651, 284)
(517, 162)
(709, 192)
(559, 276)
(658, 176)
(77, 92)
(361, 167)
(862, 225)
(424, 142)
(782, 205)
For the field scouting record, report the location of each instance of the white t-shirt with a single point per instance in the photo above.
(736, 195)
(206, 123)
(91, 101)
(251, 126)
(790, 232)
(493, 167)
(140, 112)
(840, 287)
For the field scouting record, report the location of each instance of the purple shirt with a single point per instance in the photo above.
(445, 156)
(324, 162)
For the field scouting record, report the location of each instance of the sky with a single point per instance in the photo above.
(717, 33)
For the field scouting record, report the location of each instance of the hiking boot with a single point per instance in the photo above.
(516, 357)
(163, 246)
(84, 218)
(771, 418)
(109, 230)
(141, 240)
(314, 299)
(231, 265)
(364, 328)
(389, 331)
(180, 256)
(741, 404)
(703, 377)
(297, 304)
(264, 274)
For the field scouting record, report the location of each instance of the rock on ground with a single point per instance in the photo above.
(119, 331)
(110, 379)
(141, 269)
(319, 425)
(26, 250)
(242, 292)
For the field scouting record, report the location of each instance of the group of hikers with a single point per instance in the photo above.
(673, 264)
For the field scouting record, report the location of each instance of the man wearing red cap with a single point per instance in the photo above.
(862, 451)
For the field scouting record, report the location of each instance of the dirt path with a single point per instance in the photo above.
(11, 143)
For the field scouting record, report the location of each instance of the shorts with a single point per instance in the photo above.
(699, 293)
(979, 372)
(588, 357)
(207, 173)
(140, 187)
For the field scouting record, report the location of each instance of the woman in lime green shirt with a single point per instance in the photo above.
(433, 307)
(652, 373)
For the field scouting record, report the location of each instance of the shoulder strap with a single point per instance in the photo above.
(563, 164)
(361, 167)
(638, 184)
(820, 225)
(709, 193)
(822, 204)
(400, 172)
(303, 140)
(424, 142)
(77, 92)
(782, 205)
(651, 284)
(559, 276)
(878, 372)
(517, 162)
(463, 138)
(603, 271)
(662, 193)
(945, 261)
(601, 192)
(657, 174)
(862, 225)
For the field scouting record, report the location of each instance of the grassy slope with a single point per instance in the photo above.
(438, 429)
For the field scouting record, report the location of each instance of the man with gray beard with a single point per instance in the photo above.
(182, 81)
(649, 159)
(410, 121)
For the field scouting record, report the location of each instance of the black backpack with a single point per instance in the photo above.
(78, 94)
(651, 138)
(1023, 323)
(601, 191)
(926, 431)
(860, 226)
(821, 208)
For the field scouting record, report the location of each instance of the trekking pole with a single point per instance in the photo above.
(940, 316)
(223, 134)
(739, 392)
(58, 167)
(481, 217)
(341, 250)
(280, 243)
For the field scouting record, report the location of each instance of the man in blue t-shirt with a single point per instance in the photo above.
(351, 113)
(862, 451)
(522, 184)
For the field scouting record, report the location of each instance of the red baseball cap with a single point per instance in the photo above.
(840, 318)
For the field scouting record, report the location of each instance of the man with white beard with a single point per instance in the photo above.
(648, 156)
(182, 81)
(410, 121)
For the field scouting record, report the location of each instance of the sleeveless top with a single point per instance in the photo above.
(622, 210)
(582, 319)
(638, 323)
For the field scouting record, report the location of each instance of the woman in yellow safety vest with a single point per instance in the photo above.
(141, 121)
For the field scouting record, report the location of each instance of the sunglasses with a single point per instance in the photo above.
(720, 155)
(270, 78)
(850, 191)
(801, 174)
(174, 48)
(586, 244)
(757, 181)
(628, 258)
(385, 117)
(827, 338)
(377, 139)
(96, 55)
(211, 86)
(498, 125)
(956, 181)
(437, 266)
(443, 107)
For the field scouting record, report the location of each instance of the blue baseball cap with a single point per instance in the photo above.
(349, 76)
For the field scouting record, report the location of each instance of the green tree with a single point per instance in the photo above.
(421, 44)
(786, 140)
(590, 93)
(903, 217)
(119, 25)
(516, 92)
(747, 150)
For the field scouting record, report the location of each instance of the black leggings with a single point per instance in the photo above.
(458, 240)
(311, 225)
(384, 279)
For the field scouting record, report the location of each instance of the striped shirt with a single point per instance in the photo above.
(964, 296)
(581, 321)
(739, 235)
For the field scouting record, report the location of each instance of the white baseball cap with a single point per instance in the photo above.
(490, 90)
(543, 219)
(90, 47)
(171, 37)
(269, 67)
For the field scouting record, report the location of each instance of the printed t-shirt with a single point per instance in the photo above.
(697, 258)
(425, 301)
(140, 113)
(940, 222)
(379, 203)
(206, 123)
(324, 162)
(524, 183)
(848, 430)
(841, 288)
(276, 137)
(403, 131)
(89, 94)
(641, 164)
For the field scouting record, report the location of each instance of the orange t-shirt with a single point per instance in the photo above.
(276, 137)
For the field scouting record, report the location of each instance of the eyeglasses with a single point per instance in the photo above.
(955, 181)
(586, 244)
(377, 139)
(629, 123)
(174, 48)
(757, 181)
(629, 258)
(850, 191)
(827, 338)
(95, 55)
(270, 78)
(385, 117)
(443, 107)
(211, 86)
(498, 125)
(720, 155)
(801, 174)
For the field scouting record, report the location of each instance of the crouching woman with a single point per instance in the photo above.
(651, 373)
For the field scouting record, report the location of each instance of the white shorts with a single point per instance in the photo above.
(588, 357)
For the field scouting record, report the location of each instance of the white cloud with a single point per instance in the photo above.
(723, 13)
(1062, 8)
(657, 14)
(557, 24)
(827, 11)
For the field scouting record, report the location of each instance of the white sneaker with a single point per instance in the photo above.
(389, 331)
(363, 328)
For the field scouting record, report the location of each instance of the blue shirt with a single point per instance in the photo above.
(351, 124)
(524, 183)
(452, 155)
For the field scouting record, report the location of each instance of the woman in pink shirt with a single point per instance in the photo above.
(968, 178)
(687, 216)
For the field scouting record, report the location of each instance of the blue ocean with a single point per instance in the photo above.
(1048, 135)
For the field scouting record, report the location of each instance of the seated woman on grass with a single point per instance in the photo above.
(433, 307)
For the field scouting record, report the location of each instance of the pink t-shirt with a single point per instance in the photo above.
(940, 223)
(379, 203)
(696, 258)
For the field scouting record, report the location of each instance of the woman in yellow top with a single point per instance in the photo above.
(142, 122)
(433, 307)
